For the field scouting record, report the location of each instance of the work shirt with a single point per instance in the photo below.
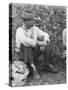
(29, 37)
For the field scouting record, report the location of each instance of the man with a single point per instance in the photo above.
(22, 37)
(64, 42)
(28, 35)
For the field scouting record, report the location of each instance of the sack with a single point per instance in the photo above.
(19, 73)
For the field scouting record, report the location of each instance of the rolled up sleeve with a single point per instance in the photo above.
(26, 40)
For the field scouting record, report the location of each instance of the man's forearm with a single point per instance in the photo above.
(30, 42)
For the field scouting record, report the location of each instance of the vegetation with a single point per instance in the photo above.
(54, 22)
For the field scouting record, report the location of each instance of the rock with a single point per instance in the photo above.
(64, 37)
(19, 73)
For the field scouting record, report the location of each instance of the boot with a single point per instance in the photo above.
(36, 75)
(35, 72)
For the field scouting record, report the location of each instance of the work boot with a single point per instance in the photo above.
(36, 75)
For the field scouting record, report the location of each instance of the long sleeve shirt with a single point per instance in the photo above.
(36, 32)
(23, 37)
(29, 37)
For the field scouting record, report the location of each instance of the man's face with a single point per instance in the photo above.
(28, 25)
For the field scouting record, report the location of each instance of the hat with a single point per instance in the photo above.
(29, 22)
(26, 16)
(29, 16)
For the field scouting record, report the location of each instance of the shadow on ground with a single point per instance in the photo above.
(47, 79)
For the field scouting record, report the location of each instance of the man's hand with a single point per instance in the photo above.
(41, 43)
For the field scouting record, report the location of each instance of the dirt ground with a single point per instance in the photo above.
(47, 79)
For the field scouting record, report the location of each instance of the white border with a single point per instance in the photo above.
(4, 41)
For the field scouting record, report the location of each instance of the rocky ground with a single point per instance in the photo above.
(47, 79)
